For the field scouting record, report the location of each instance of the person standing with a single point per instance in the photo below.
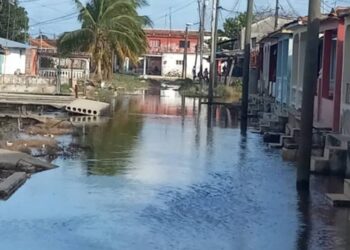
(194, 73)
(206, 75)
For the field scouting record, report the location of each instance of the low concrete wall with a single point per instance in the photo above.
(30, 84)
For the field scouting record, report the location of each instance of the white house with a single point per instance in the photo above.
(12, 57)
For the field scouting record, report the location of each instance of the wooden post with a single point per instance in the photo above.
(214, 36)
(201, 45)
(277, 14)
(309, 83)
(246, 66)
(184, 65)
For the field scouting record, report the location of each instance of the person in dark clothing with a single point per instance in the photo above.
(194, 73)
(206, 75)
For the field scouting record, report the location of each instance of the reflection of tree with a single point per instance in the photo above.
(112, 144)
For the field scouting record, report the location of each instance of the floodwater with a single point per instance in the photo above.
(156, 176)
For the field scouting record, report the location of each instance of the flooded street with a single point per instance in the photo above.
(155, 176)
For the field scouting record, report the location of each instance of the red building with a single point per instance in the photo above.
(166, 41)
(166, 52)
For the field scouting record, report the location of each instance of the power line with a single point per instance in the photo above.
(292, 8)
(176, 10)
(234, 9)
(61, 18)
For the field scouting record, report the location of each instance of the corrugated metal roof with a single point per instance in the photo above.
(12, 44)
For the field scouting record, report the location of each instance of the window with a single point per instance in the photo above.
(182, 44)
(179, 62)
(154, 43)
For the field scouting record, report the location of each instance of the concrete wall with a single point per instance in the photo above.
(15, 59)
(345, 106)
(30, 84)
(170, 68)
(253, 81)
(323, 112)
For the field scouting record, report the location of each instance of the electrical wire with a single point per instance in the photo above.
(176, 10)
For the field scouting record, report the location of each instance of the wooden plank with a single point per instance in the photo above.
(11, 184)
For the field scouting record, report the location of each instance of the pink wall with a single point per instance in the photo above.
(337, 90)
(327, 108)
(165, 41)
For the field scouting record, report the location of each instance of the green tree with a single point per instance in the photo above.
(108, 27)
(233, 25)
(13, 21)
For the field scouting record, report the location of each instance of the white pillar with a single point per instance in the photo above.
(144, 65)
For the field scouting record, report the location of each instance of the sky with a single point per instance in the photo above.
(52, 17)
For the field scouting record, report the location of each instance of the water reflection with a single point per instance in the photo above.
(111, 143)
(305, 221)
(156, 177)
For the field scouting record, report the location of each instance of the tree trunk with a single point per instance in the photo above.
(99, 69)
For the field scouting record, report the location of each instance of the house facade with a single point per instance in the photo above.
(345, 86)
(165, 53)
(282, 70)
(276, 68)
(263, 52)
(328, 94)
(49, 64)
(12, 57)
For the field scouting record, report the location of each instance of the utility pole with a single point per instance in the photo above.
(246, 66)
(8, 20)
(198, 37)
(214, 42)
(277, 13)
(309, 84)
(201, 41)
(170, 19)
(41, 39)
(184, 65)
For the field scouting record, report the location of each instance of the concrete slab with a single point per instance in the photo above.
(320, 165)
(81, 121)
(272, 137)
(275, 145)
(56, 101)
(347, 187)
(20, 162)
(339, 200)
(11, 184)
(289, 154)
(88, 107)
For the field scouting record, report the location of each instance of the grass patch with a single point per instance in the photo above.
(230, 93)
(129, 83)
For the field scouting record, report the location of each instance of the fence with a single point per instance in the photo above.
(65, 73)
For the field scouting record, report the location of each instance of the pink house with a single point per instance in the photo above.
(328, 93)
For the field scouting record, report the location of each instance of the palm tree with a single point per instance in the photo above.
(108, 27)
